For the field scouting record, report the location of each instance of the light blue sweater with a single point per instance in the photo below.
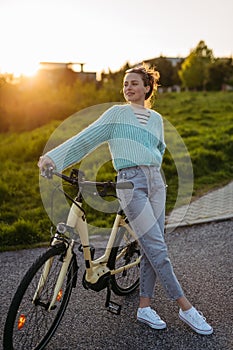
(130, 142)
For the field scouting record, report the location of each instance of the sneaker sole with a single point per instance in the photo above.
(197, 330)
(152, 325)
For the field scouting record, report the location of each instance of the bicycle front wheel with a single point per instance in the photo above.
(125, 251)
(30, 324)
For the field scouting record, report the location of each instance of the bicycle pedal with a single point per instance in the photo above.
(114, 308)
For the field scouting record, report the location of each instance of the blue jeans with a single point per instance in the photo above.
(144, 205)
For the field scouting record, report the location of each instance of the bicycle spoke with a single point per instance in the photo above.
(125, 253)
(30, 324)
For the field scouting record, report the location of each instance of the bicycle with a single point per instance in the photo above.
(41, 298)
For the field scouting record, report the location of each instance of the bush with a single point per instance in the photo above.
(22, 232)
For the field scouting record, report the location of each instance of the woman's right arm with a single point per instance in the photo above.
(77, 147)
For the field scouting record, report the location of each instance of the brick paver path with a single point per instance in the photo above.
(215, 205)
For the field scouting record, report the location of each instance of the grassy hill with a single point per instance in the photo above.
(199, 137)
(205, 123)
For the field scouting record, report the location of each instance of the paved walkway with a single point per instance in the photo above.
(202, 259)
(214, 206)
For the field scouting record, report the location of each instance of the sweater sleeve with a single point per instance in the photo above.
(77, 147)
(162, 145)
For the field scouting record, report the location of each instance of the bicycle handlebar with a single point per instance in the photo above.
(76, 178)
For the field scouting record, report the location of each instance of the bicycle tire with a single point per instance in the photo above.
(40, 324)
(127, 281)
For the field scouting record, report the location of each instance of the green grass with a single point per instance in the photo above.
(199, 136)
(205, 123)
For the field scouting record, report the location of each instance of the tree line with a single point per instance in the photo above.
(33, 102)
(200, 70)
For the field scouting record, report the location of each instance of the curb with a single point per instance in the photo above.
(198, 222)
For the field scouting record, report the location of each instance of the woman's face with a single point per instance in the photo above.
(134, 89)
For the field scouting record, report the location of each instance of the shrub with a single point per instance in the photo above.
(22, 232)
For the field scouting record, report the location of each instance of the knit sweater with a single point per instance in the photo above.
(130, 142)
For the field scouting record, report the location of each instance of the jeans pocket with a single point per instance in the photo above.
(127, 174)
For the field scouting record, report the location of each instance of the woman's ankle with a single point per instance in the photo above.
(184, 304)
(144, 302)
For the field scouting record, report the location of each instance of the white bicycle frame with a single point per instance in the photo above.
(94, 268)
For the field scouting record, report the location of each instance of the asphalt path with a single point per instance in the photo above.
(202, 257)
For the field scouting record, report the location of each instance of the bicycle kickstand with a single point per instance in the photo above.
(110, 305)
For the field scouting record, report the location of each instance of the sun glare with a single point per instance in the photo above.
(18, 69)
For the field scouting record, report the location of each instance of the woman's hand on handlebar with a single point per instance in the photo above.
(46, 165)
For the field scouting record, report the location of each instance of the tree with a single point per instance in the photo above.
(220, 72)
(166, 70)
(176, 77)
(194, 70)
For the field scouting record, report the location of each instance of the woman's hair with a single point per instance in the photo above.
(149, 76)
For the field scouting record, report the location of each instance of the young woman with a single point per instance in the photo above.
(136, 141)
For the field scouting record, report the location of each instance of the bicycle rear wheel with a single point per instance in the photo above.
(125, 251)
(29, 324)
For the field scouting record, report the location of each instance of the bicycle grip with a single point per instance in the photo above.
(47, 172)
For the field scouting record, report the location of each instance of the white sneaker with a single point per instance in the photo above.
(150, 317)
(196, 321)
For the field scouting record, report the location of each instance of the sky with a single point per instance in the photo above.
(105, 34)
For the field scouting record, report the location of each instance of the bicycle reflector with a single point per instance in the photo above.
(21, 321)
(59, 296)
